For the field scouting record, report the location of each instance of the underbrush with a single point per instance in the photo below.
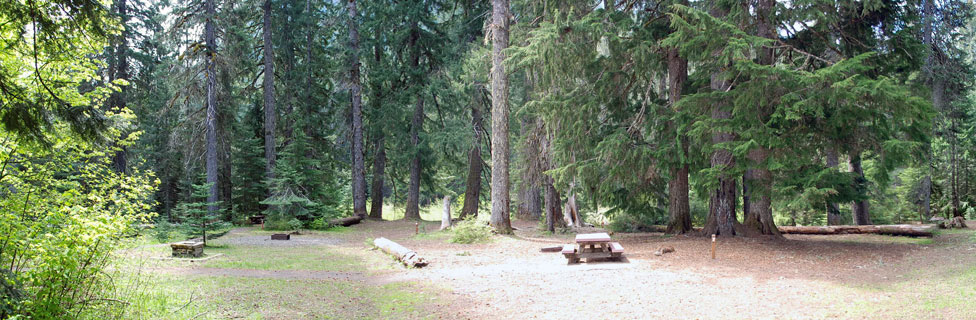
(471, 230)
(165, 232)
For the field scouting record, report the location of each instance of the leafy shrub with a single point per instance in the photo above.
(283, 224)
(319, 223)
(63, 213)
(470, 230)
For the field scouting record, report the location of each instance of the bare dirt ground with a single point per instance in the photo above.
(799, 277)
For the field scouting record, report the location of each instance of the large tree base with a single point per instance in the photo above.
(909, 230)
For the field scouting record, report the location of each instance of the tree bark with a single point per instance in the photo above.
(500, 217)
(118, 99)
(270, 115)
(721, 218)
(928, 12)
(759, 212)
(379, 170)
(859, 209)
(355, 90)
(833, 211)
(954, 169)
(210, 41)
(529, 204)
(472, 192)
(413, 189)
(679, 208)
(552, 202)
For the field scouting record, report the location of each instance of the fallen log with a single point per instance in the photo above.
(347, 221)
(406, 256)
(910, 230)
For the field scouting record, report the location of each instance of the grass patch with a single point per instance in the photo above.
(226, 297)
(436, 235)
(317, 258)
(943, 295)
(432, 212)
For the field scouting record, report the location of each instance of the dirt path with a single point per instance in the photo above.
(799, 277)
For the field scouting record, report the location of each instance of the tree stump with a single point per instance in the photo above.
(446, 218)
(187, 249)
(280, 236)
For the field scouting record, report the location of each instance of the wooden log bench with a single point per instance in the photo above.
(569, 251)
(616, 250)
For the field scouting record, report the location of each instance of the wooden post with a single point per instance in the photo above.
(416, 230)
(713, 247)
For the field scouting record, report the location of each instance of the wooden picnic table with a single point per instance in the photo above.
(592, 245)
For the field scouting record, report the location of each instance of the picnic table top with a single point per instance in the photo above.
(592, 237)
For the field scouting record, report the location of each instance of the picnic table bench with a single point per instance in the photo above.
(592, 245)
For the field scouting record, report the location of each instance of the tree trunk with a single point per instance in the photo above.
(472, 192)
(912, 230)
(529, 204)
(721, 218)
(119, 100)
(954, 169)
(928, 12)
(446, 218)
(413, 189)
(379, 168)
(355, 90)
(270, 115)
(833, 212)
(500, 217)
(552, 206)
(571, 211)
(529, 208)
(759, 213)
(406, 256)
(859, 209)
(679, 209)
(210, 40)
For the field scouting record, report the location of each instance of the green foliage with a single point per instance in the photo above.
(470, 230)
(48, 74)
(63, 212)
(195, 216)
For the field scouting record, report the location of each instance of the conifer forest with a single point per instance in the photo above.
(487, 159)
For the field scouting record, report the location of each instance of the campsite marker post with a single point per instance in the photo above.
(713, 247)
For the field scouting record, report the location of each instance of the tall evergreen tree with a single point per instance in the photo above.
(499, 118)
(355, 91)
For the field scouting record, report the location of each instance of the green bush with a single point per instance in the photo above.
(64, 211)
(470, 230)
(283, 224)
